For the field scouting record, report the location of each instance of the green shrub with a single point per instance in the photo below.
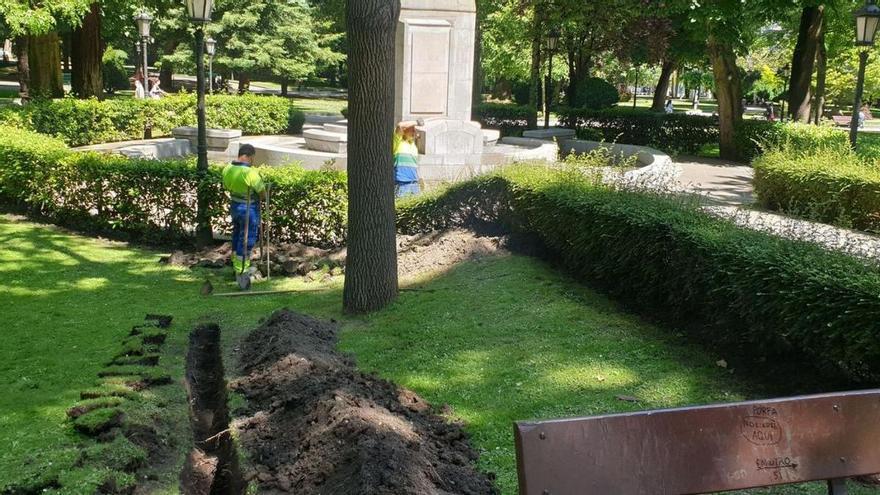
(155, 200)
(730, 286)
(754, 137)
(830, 185)
(595, 93)
(84, 122)
(509, 119)
(113, 70)
(669, 132)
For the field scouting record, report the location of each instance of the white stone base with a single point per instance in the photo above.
(551, 134)
(330, 142)
(221, 142)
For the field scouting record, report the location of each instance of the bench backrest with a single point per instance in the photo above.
(703, 449)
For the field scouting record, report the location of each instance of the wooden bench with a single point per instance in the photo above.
(842, 120)
(704, 449)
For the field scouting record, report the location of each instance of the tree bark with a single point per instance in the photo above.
(371, 270)
(244, 83)
(166, 73)
(728, 90)
(45, 64)
(86, 78)
(24, 70)
(821, 73)
(802, 62)
(535, 72)
(662, 90)
(285, 85)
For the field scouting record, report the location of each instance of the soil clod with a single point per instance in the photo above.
(317, 425)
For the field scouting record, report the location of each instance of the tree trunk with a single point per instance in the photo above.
(535, 72)
(285, 87)
(802, 62)
(45, 64)
(371, 270)
(821, 72)
(86, 79)
(728, 90)
(244, 83)
(659, 103)
(24, 70)
(166, 73)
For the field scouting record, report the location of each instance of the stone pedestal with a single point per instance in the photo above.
(330, 142)
(221, 142)
(450, 137)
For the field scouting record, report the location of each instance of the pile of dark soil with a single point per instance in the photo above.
(316, 425)
(417, 254)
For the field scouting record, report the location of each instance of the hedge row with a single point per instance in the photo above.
(742, 289)
(754, 137)
(85, 122)
(511, 120)
(156, 200)
(829, 186)
(670, 132)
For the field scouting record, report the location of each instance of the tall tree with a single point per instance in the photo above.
(728, 91)
(44, 52)
(371, 269)
(662, 89)
(87, 50)
(821, 75)
(24, 71)
(803, 62)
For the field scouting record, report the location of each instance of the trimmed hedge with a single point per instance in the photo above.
(669, 132)
(830, 186)
(754, 137)
(85, 122)
(156, 200)
(511, 120)
(738, 288)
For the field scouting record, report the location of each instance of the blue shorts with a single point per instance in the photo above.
(407, 189)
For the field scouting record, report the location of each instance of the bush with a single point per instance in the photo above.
(511, 120)
(113, 70)
(595, 93)
(156, 200)
(732, 287)
(669, 132)
(829, 186)
(754, 137)
(84, 122)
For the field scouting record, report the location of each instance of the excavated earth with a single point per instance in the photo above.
(314, 424)
(416, 254)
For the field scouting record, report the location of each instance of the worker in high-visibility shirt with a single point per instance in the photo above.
(406, 160)
(246, 188)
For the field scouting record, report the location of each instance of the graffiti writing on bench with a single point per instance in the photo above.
(762, 426)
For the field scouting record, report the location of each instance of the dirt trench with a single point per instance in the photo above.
(317, 425)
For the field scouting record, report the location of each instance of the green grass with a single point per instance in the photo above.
(499, 340)
(320, 105)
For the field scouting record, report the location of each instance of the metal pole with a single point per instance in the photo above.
(548, 90)
(860, 87)
(203, 220)
(148, 126)
(211, 74)
(636, 89)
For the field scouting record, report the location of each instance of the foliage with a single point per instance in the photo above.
(84, 122)
(510, 119)
(155, 200)
(671, 132)
(754, 137)
(732, 286)
(829, 185)
(114, 74)
(768, 85)
(594, 93)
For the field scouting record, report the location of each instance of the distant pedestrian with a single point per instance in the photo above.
(669, 107)
(406, 160)
(155, 89)
(770, 112)
(140, 91)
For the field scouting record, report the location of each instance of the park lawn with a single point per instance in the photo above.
(498, 339)
(320, 105)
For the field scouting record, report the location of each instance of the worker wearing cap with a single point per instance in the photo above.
(246, 188)
(406, 160)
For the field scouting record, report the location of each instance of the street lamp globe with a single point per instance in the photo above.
(553, 39)
(200, 10)
(143, 24)
(210, 46)
(867, 19)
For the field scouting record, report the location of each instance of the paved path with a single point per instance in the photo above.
(720, 181)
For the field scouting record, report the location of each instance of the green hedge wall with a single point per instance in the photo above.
(85, 122)
(156, 200)
(754, 137)
(669, 132)
(730, 286)
(830, 186)
(510, 119)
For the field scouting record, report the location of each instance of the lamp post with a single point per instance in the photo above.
(552, 43)
(143, 21)
(200, 14)
(211, 48)
(867, 19)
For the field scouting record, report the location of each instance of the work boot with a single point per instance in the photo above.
(244, 281)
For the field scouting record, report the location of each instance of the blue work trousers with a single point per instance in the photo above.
(239, 212)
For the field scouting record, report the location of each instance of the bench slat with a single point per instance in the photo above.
(703, 449)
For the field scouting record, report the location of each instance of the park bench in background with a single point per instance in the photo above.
(842, 120)
(704, 449)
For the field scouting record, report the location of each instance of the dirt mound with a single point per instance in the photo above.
(416, 254)
(319, 426)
